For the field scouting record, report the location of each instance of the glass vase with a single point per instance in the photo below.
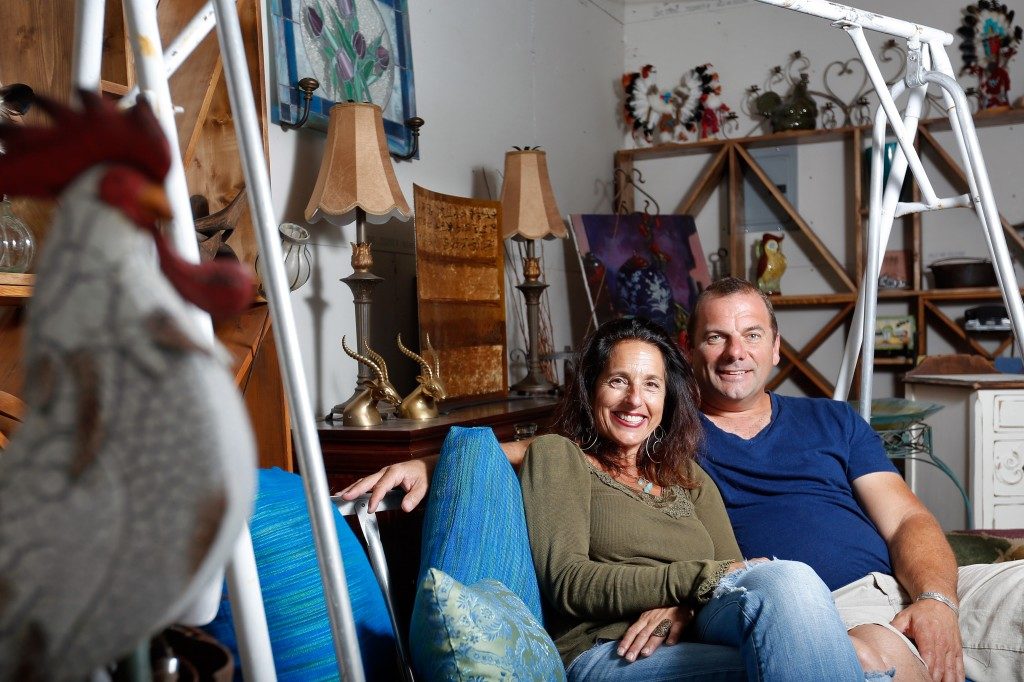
(298, 262)
(17, 243)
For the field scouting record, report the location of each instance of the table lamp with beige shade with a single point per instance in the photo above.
(529, 212)
(357, 181)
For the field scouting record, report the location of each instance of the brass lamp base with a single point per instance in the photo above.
(532, 288)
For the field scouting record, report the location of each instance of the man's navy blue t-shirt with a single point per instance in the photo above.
(789, 490)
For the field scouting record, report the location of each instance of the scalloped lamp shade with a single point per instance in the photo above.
(528, 207)
(356, 170)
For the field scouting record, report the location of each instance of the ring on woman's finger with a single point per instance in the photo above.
(662, 629)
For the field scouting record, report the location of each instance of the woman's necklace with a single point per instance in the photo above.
(645, 485)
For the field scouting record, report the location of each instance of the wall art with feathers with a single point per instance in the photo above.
(691, 109)
(990, 41)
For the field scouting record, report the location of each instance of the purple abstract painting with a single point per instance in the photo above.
(642, 265)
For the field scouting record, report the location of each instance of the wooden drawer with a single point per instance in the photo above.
(1008, 413)
(1008, 468)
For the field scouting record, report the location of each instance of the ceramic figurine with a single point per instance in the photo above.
(129, 480)
(771, 263)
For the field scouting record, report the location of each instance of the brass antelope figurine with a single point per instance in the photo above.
(422, 402)
(362, 410)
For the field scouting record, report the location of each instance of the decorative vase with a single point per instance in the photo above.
(17, 244)
(798, 112)
(295, 253)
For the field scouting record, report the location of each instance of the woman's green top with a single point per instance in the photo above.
(605, 553)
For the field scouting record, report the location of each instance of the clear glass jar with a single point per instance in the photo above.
(17, 243)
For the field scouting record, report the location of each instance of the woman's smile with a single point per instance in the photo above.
(629, 397)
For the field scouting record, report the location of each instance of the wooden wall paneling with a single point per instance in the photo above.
(191, 86)
(117, 71)
(249, 340)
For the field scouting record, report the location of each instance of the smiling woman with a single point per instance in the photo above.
(631, 541)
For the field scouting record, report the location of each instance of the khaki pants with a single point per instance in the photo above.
(991, 615)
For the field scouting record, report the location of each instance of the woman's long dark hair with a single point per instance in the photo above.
(666, 461)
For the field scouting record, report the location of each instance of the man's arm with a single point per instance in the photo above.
(414, 475)
(922, 561)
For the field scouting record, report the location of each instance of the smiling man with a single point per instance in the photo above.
(806, 479)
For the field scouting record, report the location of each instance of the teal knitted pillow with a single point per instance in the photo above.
(474, 526)
(300, 631)
(479, 632)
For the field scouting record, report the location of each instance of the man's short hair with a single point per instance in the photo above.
(728, 286)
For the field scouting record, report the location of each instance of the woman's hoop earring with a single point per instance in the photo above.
(649, 449)
(589, 445)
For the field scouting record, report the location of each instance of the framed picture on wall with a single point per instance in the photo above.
(358, 50)
(642, 265)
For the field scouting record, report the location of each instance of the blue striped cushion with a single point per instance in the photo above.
(300, 632)
(475, 526)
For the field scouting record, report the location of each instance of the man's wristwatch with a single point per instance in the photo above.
(938, 596)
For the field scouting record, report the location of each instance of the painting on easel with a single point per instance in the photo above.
(643, 265)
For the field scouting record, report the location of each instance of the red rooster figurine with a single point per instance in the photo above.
(130, 478)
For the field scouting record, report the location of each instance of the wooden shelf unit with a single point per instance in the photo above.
(15, 289)
(728, 160)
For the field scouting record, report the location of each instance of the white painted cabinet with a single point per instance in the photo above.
(980, 435)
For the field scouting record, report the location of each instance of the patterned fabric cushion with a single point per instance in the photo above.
(475, 526)
(986, 546)
(300, 632)
(478, 632)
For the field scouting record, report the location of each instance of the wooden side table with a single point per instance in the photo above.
(351, 452)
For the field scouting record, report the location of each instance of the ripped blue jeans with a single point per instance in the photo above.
(777, 621)
(781, 617)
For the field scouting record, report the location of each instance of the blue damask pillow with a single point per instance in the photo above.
(475, 527)
(478, 632)
(300, 632)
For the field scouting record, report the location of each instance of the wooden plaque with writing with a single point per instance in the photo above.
(461, 292)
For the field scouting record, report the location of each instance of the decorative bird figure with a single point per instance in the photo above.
(123, 491)
(771, 263)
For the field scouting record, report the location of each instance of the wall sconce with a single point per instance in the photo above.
(309, 85)
(298, 264)
(529, 213)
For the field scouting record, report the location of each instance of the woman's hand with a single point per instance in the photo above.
(652, 629)
(413, 476)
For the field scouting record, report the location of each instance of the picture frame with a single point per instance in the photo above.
(318, 39)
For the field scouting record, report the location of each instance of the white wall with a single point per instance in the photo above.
(743, 39)
(488, 75)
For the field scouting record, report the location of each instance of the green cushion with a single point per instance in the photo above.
(478, 632)
(974, 547)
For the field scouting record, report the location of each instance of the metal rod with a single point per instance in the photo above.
(184, 45)
(140, 16)
(87, 54)
(321, 511)
(833, 11)
(248, 614)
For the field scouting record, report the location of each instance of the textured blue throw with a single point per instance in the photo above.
(475, 526)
